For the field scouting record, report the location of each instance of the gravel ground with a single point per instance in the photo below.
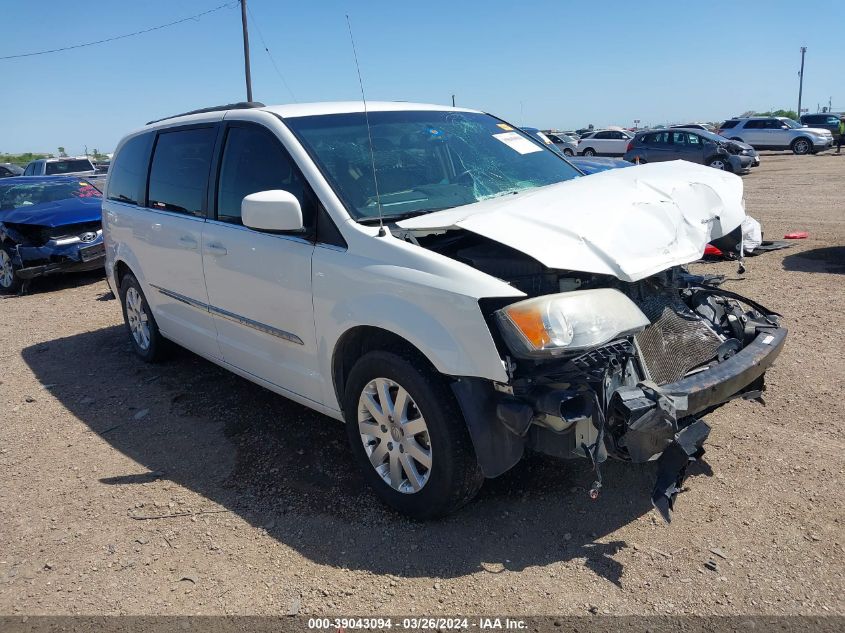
(266, 515)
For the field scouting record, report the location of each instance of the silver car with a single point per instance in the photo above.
(564, 142)
(777, 133)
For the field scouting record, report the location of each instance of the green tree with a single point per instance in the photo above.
(789, 114)
(62, 151)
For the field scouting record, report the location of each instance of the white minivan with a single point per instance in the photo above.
(451, 289)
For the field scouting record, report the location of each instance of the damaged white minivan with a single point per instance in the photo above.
(452, 290)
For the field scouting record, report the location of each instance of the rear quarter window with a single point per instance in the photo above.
(128, 173)
(727, 125)
(68, 166)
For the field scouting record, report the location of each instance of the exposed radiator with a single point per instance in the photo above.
(677, 339)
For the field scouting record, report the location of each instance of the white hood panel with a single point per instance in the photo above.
(630, 223)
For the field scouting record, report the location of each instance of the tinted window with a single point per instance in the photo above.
(657, 138)
(29, 169)
(69, 166)
(601, 135)
(254, 160)
(128, 175)
(679, 138)
(727, 125)
(179, 172)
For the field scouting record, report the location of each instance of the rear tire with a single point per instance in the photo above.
(417, 457)
(10, 283)
(147, 342)
(568, 152)
(801, 146)
(589, 152)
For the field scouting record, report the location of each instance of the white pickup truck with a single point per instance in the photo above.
(64, 166)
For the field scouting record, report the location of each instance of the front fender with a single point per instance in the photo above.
(447, 327)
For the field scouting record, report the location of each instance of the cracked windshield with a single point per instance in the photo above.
(425, 161)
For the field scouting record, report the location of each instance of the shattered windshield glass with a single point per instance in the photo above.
(18, 195)
(425, 160)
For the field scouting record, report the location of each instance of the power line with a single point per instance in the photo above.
(269, 54)
(120, 37)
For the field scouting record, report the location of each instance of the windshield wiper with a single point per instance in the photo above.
(391, 217)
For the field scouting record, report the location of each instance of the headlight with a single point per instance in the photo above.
(569, 321)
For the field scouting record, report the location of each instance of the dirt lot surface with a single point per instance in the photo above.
(266, 515)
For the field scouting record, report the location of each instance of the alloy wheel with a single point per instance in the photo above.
(7, 272)
(395, 435)
(717, 164)
(801, 146)
(136, 317)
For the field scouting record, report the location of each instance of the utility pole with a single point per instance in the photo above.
(801, 80)
(453, 101)
(246, 52)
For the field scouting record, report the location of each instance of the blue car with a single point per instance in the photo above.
(48, 225)
(594, 164)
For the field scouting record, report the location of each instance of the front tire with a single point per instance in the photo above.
(147, 342)
(10, 283)
(719, 163)
(568, 152)
(408, 436)
(801, 146)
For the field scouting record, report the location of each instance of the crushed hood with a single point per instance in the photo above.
(56, 213)
(629, 223)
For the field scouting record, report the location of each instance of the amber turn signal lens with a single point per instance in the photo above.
(529, 322)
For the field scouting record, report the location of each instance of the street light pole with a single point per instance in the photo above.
(801, 80)
(246, 52)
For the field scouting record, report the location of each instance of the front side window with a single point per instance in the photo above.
(179, 171)
(694, 139)
(29, 169)
(679, 138)
(128, 175)
(254, 160)
(424, 160)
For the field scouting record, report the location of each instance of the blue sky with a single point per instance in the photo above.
(544, 63)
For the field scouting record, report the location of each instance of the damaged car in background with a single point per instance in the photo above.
(455, 291)
(48, 225)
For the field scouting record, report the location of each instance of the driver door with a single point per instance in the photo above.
(259, 284)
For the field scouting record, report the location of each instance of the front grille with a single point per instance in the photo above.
(676, 341)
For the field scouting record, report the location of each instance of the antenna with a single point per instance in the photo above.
(381, 231)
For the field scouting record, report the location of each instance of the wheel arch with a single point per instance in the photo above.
(359, 340)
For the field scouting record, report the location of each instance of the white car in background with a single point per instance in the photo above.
(439, 281)
(64, 166)
(605, 143)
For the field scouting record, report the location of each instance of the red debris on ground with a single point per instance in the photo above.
(796, 235)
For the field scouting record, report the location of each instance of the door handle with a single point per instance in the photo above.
(216, 249)
(188, 242)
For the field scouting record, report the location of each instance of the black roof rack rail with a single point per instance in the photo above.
(240, 105)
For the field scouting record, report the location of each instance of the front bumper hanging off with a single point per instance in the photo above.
(38, 261)
(656, 422)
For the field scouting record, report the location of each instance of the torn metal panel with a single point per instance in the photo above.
(651, 218)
